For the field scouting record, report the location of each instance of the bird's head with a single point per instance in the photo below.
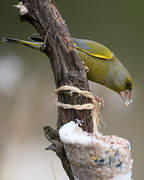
(126, 93)
(123, 83)
(119, 80)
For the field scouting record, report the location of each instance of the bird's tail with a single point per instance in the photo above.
(35, 45)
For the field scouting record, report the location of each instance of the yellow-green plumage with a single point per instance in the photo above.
(104, 66)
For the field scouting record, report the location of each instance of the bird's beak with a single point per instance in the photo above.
(126, 96)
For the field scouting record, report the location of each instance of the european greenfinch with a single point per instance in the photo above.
(104, 67)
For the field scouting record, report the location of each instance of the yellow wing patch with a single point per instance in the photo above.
(92, 48)
(109, 56)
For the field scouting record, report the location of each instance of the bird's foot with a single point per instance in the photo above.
(85, 67)
(43, 46)
(100, 102)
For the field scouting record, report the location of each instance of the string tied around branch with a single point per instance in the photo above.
(93, 106)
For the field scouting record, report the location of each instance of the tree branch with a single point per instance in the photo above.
(66, 65)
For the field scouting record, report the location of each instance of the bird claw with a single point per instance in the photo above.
(43, 46)
(100, 102)
(85, 67)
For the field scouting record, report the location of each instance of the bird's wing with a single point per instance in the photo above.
(89, 47)
(92, 48)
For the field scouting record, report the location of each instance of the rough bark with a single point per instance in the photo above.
(66, 65)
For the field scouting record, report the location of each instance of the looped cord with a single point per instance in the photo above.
(88, 106)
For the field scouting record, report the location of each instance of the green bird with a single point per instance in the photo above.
(104, 67)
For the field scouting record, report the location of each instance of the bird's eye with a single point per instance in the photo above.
(128, 86)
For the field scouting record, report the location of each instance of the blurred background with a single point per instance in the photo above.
(27, 102)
